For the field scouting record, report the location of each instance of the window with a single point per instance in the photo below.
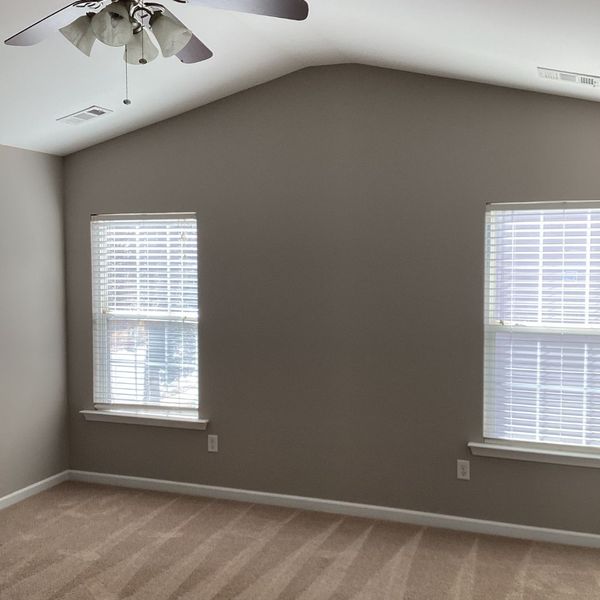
(145, 312)
(542, 324)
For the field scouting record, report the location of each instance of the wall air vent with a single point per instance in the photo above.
(83, 116)
(569, 77)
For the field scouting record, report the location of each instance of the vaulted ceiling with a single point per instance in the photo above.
(493, 41)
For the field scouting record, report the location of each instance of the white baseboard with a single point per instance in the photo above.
(511, 530)
(368, 511)
(33, 489)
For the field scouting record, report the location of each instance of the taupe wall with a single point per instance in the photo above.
(33, 409)
(341, 215)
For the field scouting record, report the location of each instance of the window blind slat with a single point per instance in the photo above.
(542, 325)
(145, 311)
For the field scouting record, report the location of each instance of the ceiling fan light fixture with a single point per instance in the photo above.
(141, 50)
(80, 34)
(112, 25)
(171, 35)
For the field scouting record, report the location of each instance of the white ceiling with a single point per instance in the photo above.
(492, 41)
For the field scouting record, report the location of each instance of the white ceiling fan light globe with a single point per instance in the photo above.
(172, 36)
(80, 34)
(112, 25)
(141, 50)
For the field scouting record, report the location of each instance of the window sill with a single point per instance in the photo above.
(113, 416)
(532, 453)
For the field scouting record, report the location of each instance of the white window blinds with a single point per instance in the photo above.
(542, 324)
(145, 312)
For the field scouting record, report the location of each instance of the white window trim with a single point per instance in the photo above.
(557, 454)
(138, 414)
(576, 456)
(143, 418)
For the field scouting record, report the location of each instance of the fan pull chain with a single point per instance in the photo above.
(143, 60)
(127, 101)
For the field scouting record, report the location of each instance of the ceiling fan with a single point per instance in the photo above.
(126, 23)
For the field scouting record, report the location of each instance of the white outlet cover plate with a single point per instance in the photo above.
(463, 470)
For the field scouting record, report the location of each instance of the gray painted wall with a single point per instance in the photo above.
(341, 214)
(33, 408)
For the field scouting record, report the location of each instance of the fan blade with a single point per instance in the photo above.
(194, 52)
(285, 9)
(51, 24)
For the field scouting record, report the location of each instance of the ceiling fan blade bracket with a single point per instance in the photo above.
(89, 4)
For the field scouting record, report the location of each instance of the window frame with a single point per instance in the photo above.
(183, 416)
(511, 448)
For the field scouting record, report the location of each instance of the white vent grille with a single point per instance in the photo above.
(83, 116)
(569, 77)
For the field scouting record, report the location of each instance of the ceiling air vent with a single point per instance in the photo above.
(83, 116)
(578, 78)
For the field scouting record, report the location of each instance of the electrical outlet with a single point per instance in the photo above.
(463, 470)
(213, 443)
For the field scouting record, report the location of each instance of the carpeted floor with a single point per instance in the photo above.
(84, 542)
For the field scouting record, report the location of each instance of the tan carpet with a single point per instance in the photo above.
(84, 542)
